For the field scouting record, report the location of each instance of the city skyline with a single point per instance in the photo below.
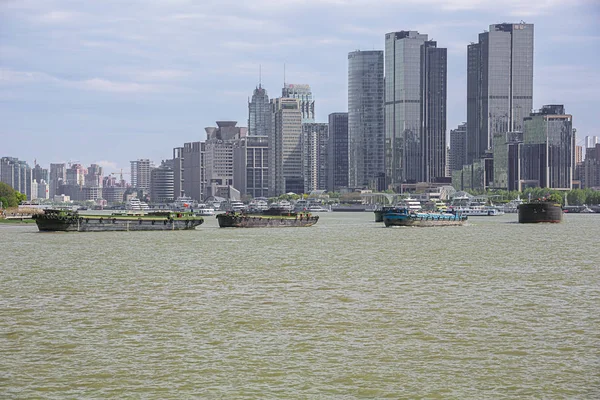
(107, 84)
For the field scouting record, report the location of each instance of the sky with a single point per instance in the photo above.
(110, 81)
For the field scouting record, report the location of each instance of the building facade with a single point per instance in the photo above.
(303, 93)
(251, 166)
(285, 147)
(366, 134)
(219, 157)
(314, 156)
(58, 176)
(591, 167)
(415, 108)
(259, 113)
(548, 153)
(458, 147)
(499, 84)
(16, 174)
(189, 175)
(140, 174)
(162, 184)
(337, 155)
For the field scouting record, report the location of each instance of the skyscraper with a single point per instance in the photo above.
(58, 177)
(415, 108)
(499, 84)
(306, 103)
(547, 152)
(314, 156)
(140, 174)
(458, 147)
(337, 154)
(285, 147)
(219, 156)
(259, 113)
(366, 136)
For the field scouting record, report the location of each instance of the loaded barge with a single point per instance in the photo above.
(402, 216)
(272, 218)
(73, 221)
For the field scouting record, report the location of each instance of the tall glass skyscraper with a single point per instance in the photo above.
(415, 108)
(499, 84)
(366, 140)
(259, 113)
(337, 152)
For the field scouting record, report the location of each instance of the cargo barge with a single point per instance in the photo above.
(404, 217)
(267, 219)
(540, 211)
(73, 221)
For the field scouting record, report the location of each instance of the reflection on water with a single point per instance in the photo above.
(346, 309)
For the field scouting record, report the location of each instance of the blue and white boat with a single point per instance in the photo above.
(402, 216)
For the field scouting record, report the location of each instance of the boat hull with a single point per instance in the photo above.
(540, 212)
(263, 221)
(113, 224)
(423, 220)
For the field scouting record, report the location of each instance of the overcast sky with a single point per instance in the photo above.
(108, 81)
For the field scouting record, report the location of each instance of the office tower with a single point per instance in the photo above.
(251, 166)
(43, 190)
(285, 147)
(94, 176)
(366, 135)
(458, 147)
(314, 156)
(591, 167)
(162, 187)
(415, 108)
(304, 95)
(259, 113)
(140, 174)
(591, 141)
(219, 157)
(38, 173)
(337, 153)
(16, 174)
(189, 173)
(434, 73)
(76, 175)
(499, 84)
(547, 151)
(58, 177)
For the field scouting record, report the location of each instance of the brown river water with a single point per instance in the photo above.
(344, 309)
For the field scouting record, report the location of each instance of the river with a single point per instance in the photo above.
(344, 309)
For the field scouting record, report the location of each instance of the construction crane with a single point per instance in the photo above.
(120, 174)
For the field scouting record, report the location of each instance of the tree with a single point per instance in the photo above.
(9, 197)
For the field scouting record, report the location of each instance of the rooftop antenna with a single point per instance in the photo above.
(259, 76)
(283, 74)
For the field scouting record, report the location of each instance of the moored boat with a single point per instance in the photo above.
(269, 219)
(54, 220)
(402, 216)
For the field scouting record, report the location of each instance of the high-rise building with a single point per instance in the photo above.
(251, 166)
(94, 176)
(285, 147)
(499, 84)
(591, 141)
(415, 108)
(38, 173)
(140, 174)
(219, 156)
(434, 62)
(337, 153)
(162, 187)
(189, 173)
(58, 177)
(259, 113)
(17, 174)
(458, 147)
(314, 155)
(547, 153)
(366, 134)
(304, 95)
(591, 167)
